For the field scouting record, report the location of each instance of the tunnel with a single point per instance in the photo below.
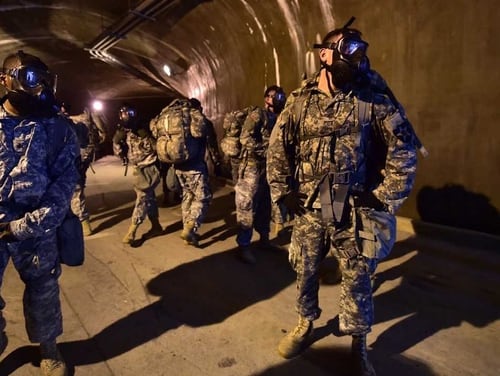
(440, 58)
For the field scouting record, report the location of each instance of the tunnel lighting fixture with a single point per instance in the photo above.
(97, 105)
(167, 70)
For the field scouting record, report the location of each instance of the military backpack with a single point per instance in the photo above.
(178, 130)
(232, 125)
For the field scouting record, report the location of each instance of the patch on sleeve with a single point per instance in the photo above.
(400, 127)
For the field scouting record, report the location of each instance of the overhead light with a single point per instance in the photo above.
(167, 70)
(97, 105)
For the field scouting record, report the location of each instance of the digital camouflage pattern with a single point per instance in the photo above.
(90, 131)
(193, 177)
(142, 155)
(300, 155)
(196, 196)
(252, 196)
(38, 173)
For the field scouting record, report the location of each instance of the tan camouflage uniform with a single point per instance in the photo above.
(298, 158)
(142, 156)
(252, 197)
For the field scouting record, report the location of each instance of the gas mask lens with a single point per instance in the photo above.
(32, 80)
(349, 47)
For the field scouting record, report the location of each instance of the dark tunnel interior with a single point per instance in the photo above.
(440, 58)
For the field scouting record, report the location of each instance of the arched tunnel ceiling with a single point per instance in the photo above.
(223, 52)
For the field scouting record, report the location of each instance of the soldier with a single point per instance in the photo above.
(252, 198)
(193, 177)
(39, 153)
(90, 130)
(342, 158)
(140, 146)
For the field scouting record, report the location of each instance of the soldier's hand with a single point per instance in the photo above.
(294, 202)
(6, 233)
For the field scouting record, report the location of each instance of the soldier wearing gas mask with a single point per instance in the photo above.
(340, 159)
(134, 140)
(39, 156)
(252, 197)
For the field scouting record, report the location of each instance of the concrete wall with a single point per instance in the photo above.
(439, 56)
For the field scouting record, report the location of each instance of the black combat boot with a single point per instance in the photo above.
(362, 366)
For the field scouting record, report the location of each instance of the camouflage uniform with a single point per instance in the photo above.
(38, 173)
(300, 155)
(90, 132)
(142, 155)
(252, 197)
(193, 178)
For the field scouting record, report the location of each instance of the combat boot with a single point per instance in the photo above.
(52, 363)
(362, 366)
(188, 234)
(130, 235)
(297, 340)
(87, 229)
(246, 255)
(155, 229)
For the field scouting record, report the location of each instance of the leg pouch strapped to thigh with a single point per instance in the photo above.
(375, 232)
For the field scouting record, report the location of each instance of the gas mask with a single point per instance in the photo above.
(349, 57)
(32, 87)
(127, 116)
(277, 99)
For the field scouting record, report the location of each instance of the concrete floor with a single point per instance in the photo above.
(163, 308)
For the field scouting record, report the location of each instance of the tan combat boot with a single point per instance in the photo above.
(87, 229)
(297, 340)
(362, 366)
(130, 235)
(52, 363)
(188, 234)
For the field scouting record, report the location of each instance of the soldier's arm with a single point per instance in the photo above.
(249, 137)
(401, 159)
(280, 154)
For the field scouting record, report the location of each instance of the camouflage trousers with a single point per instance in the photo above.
(196, 196)
(253, 202)
(311, 241)
(37, 262)
(146, 180)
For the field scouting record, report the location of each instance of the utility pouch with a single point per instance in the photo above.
(375, 232)
(70, 241)
(333, 192)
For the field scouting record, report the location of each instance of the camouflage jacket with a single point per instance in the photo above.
(90, 130)
(139, 145)
(38, 173)
(255, 133)
(328, 138)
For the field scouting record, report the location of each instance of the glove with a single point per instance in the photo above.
(5, 232)
(294, 202)
(368, 200)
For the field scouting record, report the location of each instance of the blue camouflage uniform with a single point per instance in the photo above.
(321, 137)
(38, 173)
